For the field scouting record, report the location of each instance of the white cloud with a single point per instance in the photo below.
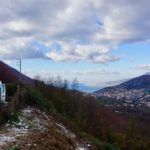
(145, 67)
(83, 30)
(94, 72)
(73, 73)
(89, 77)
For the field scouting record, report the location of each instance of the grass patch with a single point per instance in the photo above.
(108, 146)
(14, 148)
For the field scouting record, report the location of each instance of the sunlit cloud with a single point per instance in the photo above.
(86, 30)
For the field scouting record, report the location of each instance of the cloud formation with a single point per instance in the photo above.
(73, 73)
(92, 72)
(71, 30)
(145, 67)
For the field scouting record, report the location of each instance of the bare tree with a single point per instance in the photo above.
(65, 84)
(74, 84)
(58, 82)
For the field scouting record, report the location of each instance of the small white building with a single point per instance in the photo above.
(2, 92)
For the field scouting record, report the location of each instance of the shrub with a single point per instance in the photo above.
(14, 117)
(107, 146)
(11, 89)
(35, 98)
(14, 148)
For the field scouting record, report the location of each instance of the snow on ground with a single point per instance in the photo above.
(71, 135)
(81, 148)
(32, 119)
(27, 121)
(4, 139)
(66, 131)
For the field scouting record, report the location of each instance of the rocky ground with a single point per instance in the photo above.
(36, 130)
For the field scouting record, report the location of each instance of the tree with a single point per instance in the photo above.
(58, 82)
(65, 84)
(74, 85)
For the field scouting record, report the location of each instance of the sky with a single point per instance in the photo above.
(99, 42)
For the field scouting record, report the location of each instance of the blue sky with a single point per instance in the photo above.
(93, 40)
(129, 65)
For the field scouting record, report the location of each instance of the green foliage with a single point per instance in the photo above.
(35, 98)
(14, 117)
(14, 148)
(107, 146)
(87, 117)
(11, 89)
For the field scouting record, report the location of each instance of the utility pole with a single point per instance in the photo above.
(20, 80)
(19, 63)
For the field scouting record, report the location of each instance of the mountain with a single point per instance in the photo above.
(9, 74)
(135, 88)
(148, 73)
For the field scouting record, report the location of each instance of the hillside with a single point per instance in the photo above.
(135, 88)
(37, 130)
(11, 75)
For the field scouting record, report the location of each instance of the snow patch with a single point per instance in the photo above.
(4, 139)
(81, 148)
(71, 135)
(30, 119)
(66, 131)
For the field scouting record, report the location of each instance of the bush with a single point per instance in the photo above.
(11, 89)
(14, 148)
(14, 117)
(107, 146)
(35, 98)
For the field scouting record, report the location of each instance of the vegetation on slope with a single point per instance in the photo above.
(84, 114)
(99, 125)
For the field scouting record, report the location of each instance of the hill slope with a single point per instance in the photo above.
(38, 130)
(9, 74)
(135, 88)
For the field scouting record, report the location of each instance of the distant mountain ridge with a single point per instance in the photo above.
(138, 82)
(10, 75)
(148, 73)
(135, 88)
